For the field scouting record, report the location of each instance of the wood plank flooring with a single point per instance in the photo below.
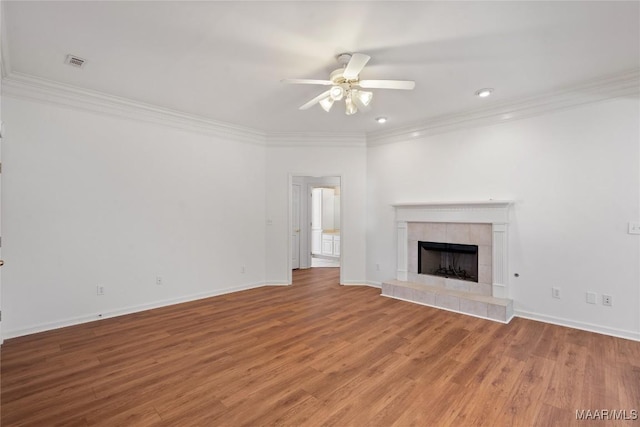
(315, 353)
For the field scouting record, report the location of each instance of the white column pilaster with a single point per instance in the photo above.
(402, 251)
(500, 261)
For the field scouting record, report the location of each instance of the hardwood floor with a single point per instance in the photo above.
(315, 353)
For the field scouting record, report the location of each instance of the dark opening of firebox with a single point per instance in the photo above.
(450, 260)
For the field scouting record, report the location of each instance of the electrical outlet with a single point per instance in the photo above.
(242, 270)
(159, 280)
(607, 300)
(591, 297)
(377, 267)
(555, 292)
(634, 227)
(100, 290)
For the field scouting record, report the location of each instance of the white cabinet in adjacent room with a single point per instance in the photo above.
(327, 244)
(331, 244)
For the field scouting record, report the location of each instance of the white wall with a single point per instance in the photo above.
(2, 65)
(347, 162)
(575, 176)
(91, 199)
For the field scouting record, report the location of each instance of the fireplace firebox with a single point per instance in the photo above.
(451, 260)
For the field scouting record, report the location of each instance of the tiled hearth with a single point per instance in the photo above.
(499, 309)
(483, 224)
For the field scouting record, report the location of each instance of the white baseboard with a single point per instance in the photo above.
(589, 327)
(361, 283)
(276, 283)
(42, 327)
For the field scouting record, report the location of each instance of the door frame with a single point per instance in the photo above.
(301, 220)
(307, 227)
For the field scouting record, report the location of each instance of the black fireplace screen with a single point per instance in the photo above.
(452, 260)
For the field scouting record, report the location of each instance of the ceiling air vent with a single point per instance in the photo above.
(75, 61)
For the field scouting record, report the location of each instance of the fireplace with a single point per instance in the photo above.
(450, 260)
(454, 256)
(481, 223)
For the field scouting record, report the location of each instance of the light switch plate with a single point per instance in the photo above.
(634, 227)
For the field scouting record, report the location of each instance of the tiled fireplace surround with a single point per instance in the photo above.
(468, 234)
(481, 223)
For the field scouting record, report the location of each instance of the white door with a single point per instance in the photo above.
(328, 196)
(295, 226)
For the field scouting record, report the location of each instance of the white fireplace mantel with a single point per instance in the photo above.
(482, 211)
(494, 212)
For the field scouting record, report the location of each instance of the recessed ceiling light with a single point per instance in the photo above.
(483, 93)
(381, 120)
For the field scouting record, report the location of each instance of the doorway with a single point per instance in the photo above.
(315, 222)
(325, 225)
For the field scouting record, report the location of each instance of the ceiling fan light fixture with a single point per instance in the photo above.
(326, 104)
(346, 84)
(364, 97)
(337, 92)
(350, 106)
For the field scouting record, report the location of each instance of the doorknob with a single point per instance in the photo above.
(1, 262)
(297, 231)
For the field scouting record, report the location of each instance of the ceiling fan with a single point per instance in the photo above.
(346, 84)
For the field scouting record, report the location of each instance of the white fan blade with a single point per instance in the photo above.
(307, 82)
(317, 99)
(355, 65)
(387, 84)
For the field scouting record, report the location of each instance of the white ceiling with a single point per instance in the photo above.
(225, 60)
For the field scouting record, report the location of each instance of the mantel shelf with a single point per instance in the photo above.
(455, 204)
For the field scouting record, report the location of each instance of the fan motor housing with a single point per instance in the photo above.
(344, 58)
(337, 76)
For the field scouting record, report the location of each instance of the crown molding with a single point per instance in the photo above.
(23, 86)
(624, 84)
(316, 139)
